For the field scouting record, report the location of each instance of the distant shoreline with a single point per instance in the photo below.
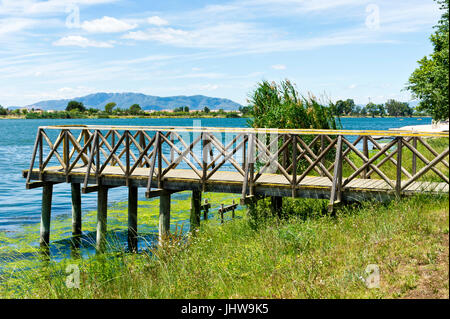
(9, 117)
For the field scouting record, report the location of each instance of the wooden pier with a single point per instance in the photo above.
(324, 164)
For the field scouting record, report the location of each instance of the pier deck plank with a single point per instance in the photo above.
(116, 176)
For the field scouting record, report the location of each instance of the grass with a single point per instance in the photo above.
(308, 255)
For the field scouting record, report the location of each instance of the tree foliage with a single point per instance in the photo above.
(429, 82)
(135, 109)
(75, 105)
(396, 108)
(109, 107)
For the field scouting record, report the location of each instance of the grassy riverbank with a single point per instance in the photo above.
(309, 255)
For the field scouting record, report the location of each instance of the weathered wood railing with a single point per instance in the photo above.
(294, 154)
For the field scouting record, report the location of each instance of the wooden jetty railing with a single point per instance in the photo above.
(267, 162)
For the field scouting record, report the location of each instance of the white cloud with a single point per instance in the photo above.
(208, 87)
(279, 67)
(37, 7)
(11, 25)
(106, 25)
(229, 35)
(155, 20)
(352, 86)
(76, 40)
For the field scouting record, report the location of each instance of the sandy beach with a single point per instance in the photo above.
(435, 128)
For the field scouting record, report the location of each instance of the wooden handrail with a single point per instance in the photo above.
(298, 153)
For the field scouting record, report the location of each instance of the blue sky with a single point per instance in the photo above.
(339, 49)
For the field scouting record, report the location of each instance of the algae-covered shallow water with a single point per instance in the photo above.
(20, 208)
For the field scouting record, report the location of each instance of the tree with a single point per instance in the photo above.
(206, 109)
(186, 109)
(341, 107)
(75, 105)
(396, 108)
(372, 109)
(429, 82)
(3, 111)
(135, 109)
(381, 110)
(109, 107)
(245, 110)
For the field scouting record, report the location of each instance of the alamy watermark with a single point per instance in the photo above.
(73, 17)
(373, 17)
(73, 276)
(373, 278)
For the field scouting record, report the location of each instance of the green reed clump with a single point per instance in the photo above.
(282, 106)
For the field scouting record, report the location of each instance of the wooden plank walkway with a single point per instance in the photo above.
(186, 179)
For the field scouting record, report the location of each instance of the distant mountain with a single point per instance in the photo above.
(147, 102)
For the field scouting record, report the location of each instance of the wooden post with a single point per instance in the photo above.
(294, 165)
(251, 159)
(205, 149)
(159, 159)
(398, 184)
(132, 218)
(47, 192)
(276, 205)
(366, 154)
(66, 153)
(127, 157)
(414, 160)
(142, 145)
(76, 220)
(172, 151)
(244, 152)
(205, 210)
(285, 152)
(336, 188)
(76, 209)
(232, 211)
(102, 204)
(196, 200)
(221, 213)
(113, 144)
(41, 155)
(164, 216)
(322, 148)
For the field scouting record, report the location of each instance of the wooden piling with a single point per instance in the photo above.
(205, 207)
(164, 216)
(102, 204)
(132, 218)
(47, 192)
(276, 202)
(196, 200)
(76, 209)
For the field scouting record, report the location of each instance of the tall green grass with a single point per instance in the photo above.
(307, 255)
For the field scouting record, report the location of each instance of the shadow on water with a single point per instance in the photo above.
(84, 246)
